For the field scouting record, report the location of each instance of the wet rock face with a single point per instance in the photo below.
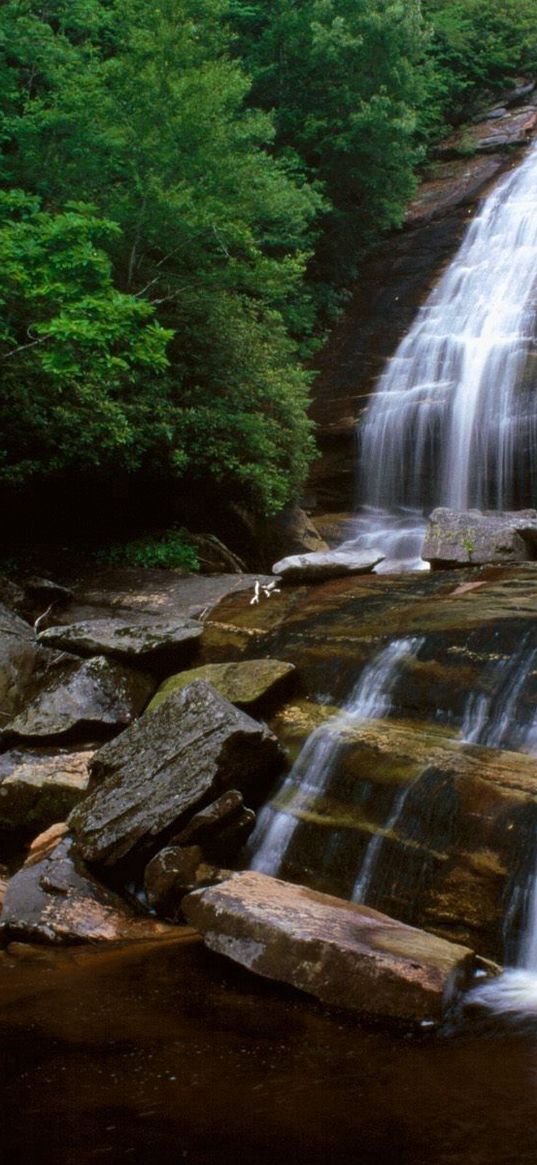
(462, 538)
(317, 567)
(20, 660)
(56, 900)
(39, 788)
(249, 685)
(444, 828)
(80, 701)
(345, 955)
(167, 764)
(174, 872)
(153, 645)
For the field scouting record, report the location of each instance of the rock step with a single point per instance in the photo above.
(346, 955)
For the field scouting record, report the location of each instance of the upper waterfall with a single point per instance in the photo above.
(453, 421)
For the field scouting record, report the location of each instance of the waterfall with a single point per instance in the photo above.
(454, 421)
(311, 773)
(496, 717)
(501, 717)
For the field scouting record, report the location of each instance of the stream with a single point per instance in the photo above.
(169, 1054)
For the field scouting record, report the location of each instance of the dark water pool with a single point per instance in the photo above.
(165, 1053)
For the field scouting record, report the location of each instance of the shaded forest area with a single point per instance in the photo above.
(187, 192)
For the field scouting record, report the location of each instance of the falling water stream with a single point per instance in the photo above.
(453, 421)
(311, 773)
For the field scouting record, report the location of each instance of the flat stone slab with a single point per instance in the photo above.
(472, 537)
(316, 567)
(151, 645)
(78, 700)
(247, 684)
(40, 788)
(136, 594)
(56, 900)
(167, 765)
(346, 955)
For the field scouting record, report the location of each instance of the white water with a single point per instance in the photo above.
(454, 419)
(493, 718)
(497, 720)
(311, 772)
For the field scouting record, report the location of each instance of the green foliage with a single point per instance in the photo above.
(343, 80)
(170, 550)
(73, 349)
(475, 46)
(143, 116)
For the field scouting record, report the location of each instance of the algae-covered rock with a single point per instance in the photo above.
(153, 645)
(345, 955)
(460, 538)
(81, 700)
(249, 684)
(167, 765)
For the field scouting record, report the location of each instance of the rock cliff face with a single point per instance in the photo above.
(395, 280)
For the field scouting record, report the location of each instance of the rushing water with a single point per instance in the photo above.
(499, 718)
(454, 421)
(311, 773)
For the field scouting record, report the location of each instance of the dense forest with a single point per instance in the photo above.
(188, 189)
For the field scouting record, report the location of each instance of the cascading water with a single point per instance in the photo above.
(454, 419)
(311, 773)
(499, 719)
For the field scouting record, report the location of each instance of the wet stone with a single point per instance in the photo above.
(81, 700)
(251, 684)
(174, 872)
(154, 645)
(346, 955)
(318, 566)
(56, 900)
(165, 767)
(38, 788)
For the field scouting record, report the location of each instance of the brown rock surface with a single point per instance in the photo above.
(174, 872)
(39, 788)
(57, 901)
(345, 955)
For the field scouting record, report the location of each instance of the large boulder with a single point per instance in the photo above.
(56, 900)
(250, 684)
(20, 661)
(39, 788)
(345, 955)
(167, 765)
(316, 567)
(471, 537)
(81, 701)
(154, 645)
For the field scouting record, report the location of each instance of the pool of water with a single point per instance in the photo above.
(165, 1053)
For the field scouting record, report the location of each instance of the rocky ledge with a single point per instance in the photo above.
(345, 955)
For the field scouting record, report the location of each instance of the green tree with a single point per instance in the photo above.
(143, 115)
(343, 79)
